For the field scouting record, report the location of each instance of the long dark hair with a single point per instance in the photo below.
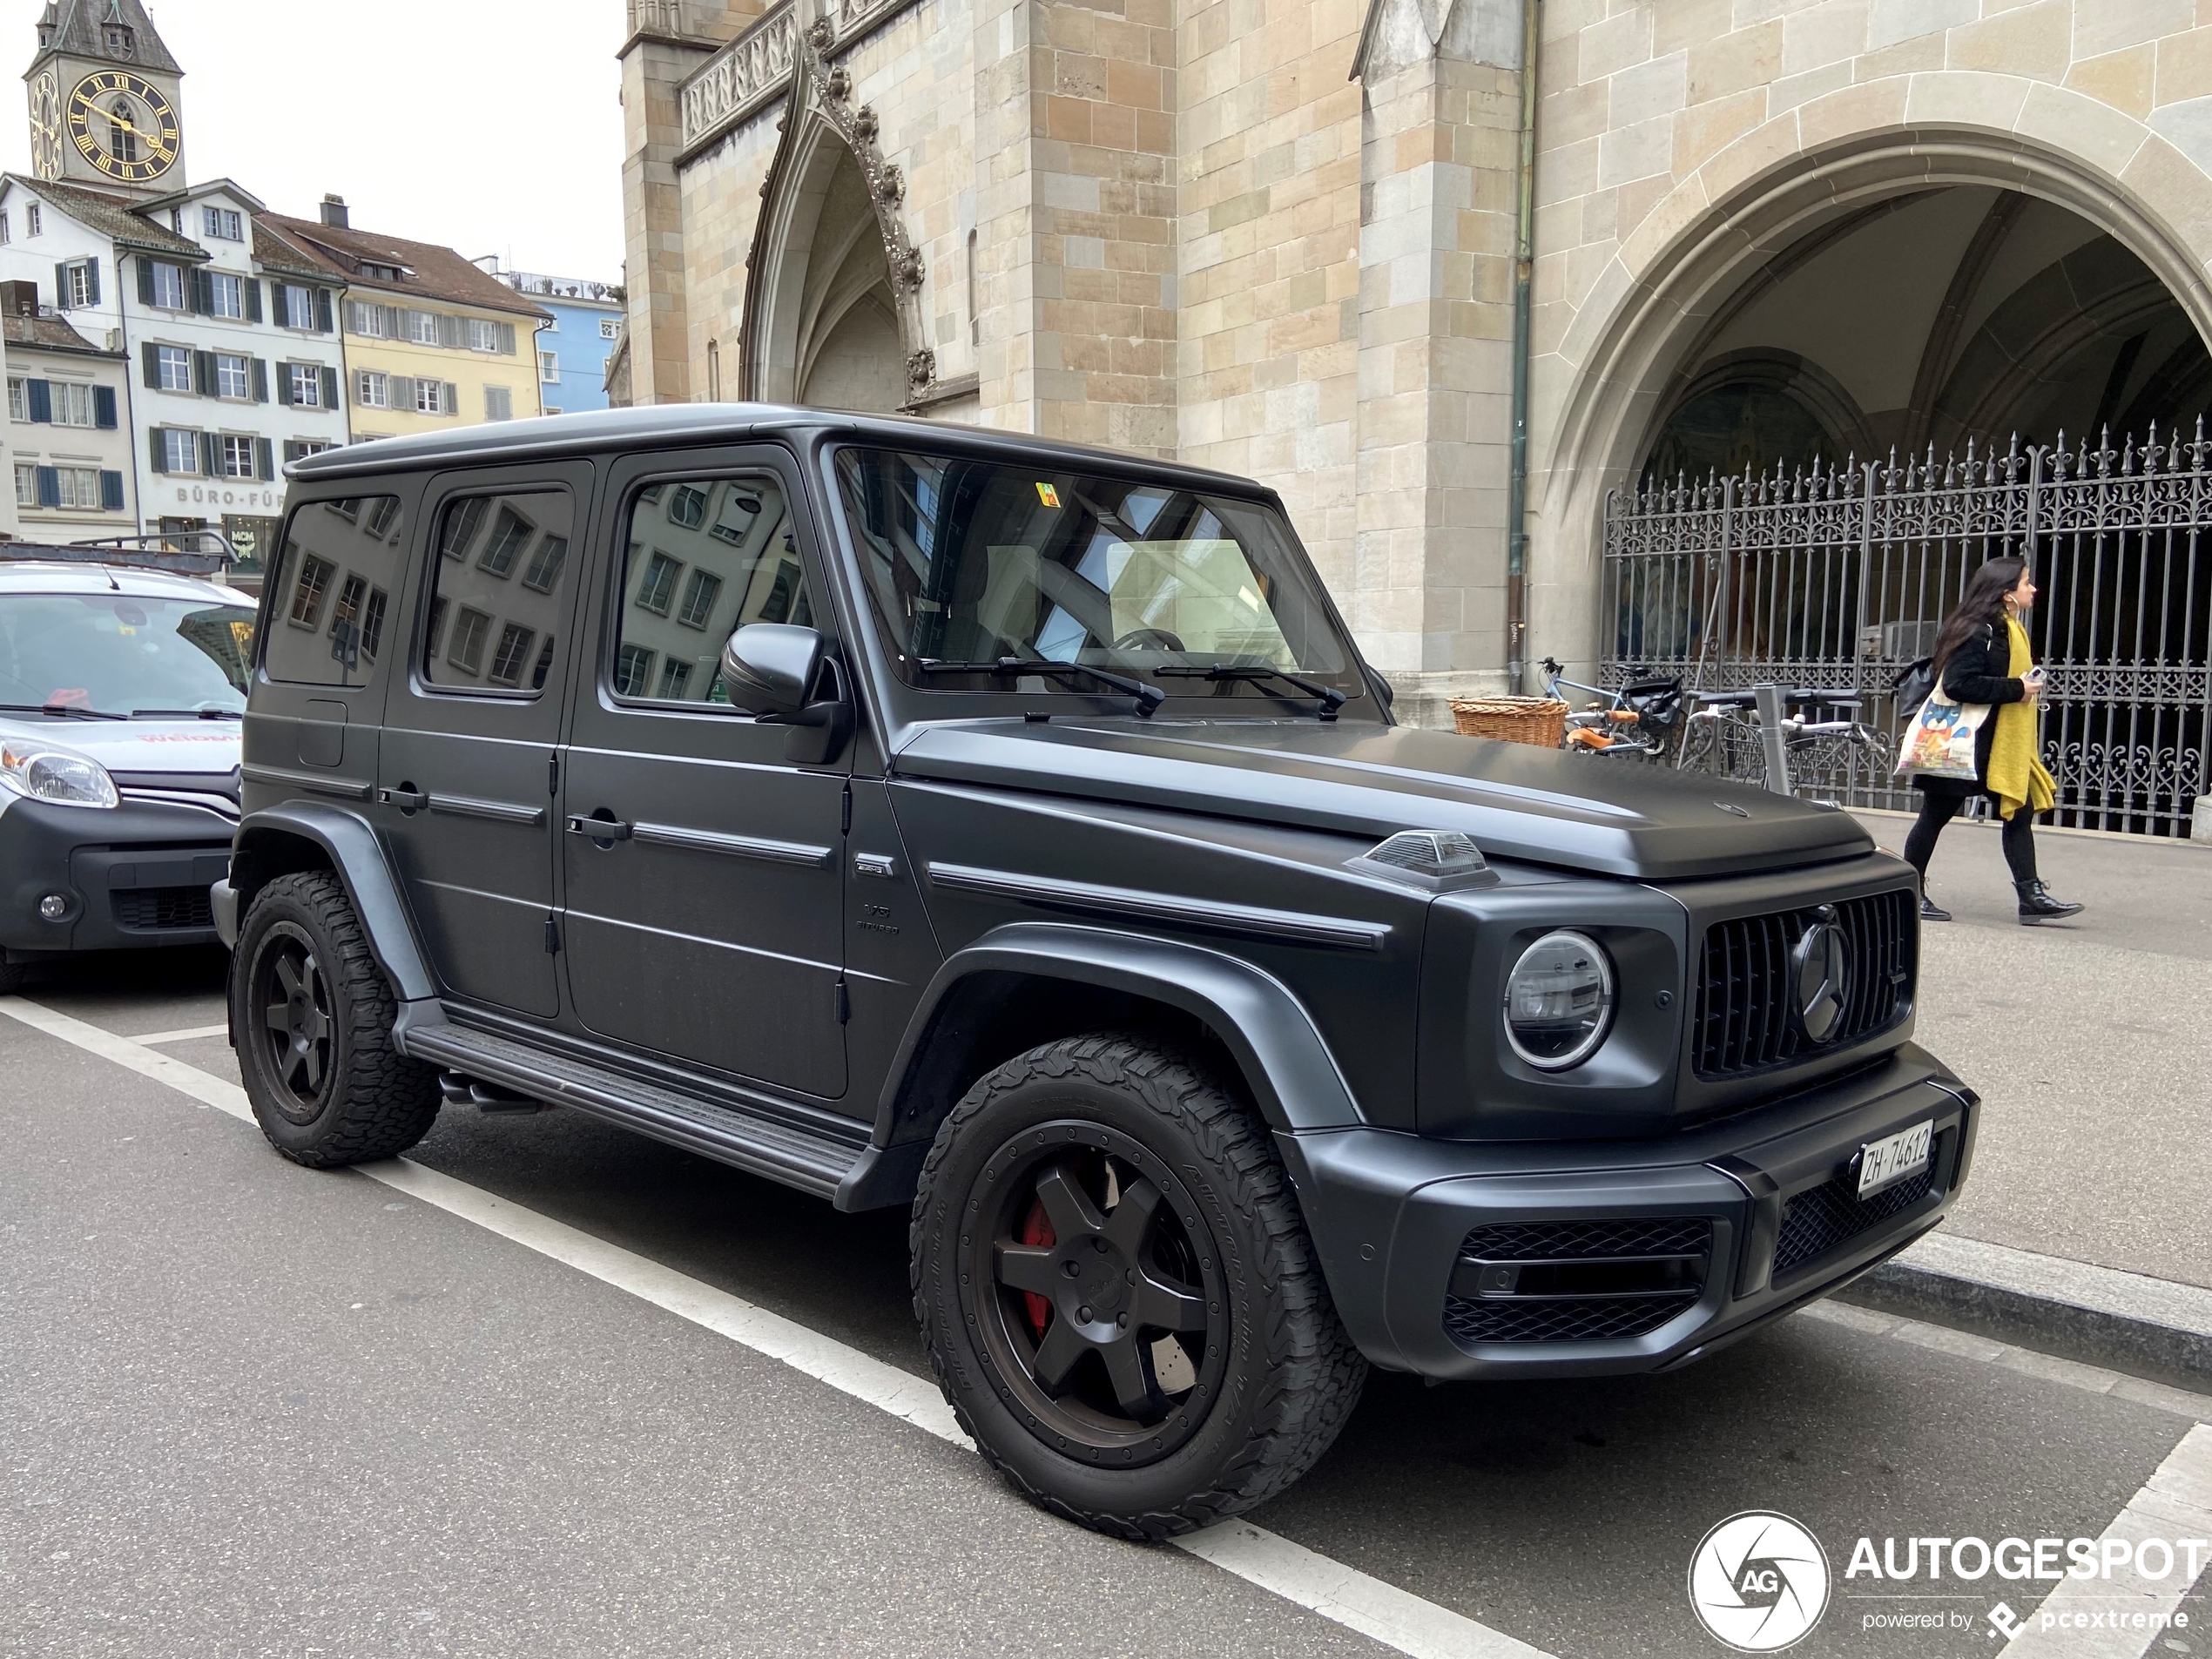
(1981, 606)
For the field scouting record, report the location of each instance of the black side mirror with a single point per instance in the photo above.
(790, 676)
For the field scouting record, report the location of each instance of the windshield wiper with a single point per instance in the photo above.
(1331, 699)
(1148, 696)
(188, 714)
(69, 711)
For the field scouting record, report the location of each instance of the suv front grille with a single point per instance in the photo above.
(1577, 1281)
(1827, 1216)
(1747, 1019)
(163, 909)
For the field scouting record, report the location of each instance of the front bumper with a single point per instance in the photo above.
(1765, 1196)
(132, 876)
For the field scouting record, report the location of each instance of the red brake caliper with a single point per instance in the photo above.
(1036, 1229)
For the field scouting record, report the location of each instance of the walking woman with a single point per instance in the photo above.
(1982, 656)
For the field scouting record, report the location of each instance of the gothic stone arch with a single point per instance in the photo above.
(833, 281)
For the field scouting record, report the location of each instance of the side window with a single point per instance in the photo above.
(706, 556)
(339, 568)
(496, 595)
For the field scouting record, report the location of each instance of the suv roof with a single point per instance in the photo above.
(667, 425)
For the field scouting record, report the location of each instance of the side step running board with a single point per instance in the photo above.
(813, 1162)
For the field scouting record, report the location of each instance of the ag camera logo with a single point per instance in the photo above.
(1759, 1581)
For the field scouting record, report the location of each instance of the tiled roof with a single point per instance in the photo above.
(273, 252)
(434, 272)
(111, 216)
(51, 332)
(73, 26)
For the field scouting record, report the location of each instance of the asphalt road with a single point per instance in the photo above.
(247, 1410)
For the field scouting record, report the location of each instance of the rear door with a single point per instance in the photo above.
(702, 868)
(466, 774)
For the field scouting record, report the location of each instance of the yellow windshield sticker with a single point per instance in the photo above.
(1047, 495)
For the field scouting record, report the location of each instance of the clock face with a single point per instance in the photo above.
(123, 125)
(46, 126)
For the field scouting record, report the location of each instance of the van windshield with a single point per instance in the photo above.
(976, 562)
(122, 656)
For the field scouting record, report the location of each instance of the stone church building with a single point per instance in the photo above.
(1281, 238)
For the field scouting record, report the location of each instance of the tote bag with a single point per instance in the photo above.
(1940, 741)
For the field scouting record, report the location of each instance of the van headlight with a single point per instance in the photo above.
(60, 777)
(1558, 1000)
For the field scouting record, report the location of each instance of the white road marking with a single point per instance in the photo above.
(190, 1033)
(1342, 1595)
(2175, 1503)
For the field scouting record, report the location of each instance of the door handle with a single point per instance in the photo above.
(408, 800)
(599, 829)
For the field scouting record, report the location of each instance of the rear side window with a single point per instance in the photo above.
(499, 565)
(705, 557)
(330, 618)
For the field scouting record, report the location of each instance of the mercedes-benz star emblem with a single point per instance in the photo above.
(1820, 970)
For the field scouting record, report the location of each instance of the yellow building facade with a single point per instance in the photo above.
(431, 341)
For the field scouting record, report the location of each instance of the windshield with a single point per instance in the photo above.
(974, 562)
(119, 655)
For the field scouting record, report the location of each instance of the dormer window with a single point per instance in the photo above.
(121, 42)
(377, 272)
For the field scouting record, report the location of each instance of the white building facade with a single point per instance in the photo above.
(69, 449)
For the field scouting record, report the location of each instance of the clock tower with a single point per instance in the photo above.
(106, 99)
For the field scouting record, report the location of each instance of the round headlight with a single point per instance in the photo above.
(41, 772)
(1558, 1000)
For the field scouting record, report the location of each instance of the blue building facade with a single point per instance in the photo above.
(572, 353)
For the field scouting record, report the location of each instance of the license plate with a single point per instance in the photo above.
(1888, 1161)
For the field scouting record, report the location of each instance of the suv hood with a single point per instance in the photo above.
(177, 747)
(1545, 805)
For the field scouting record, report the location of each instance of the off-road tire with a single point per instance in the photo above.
(373, 1102)
(1292, 1375)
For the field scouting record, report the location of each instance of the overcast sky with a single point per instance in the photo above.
(489, 125)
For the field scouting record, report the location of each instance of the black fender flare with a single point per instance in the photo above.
(349, 841)
(1293, 1077)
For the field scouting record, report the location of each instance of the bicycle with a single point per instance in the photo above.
(1643, 718)
(1828, 755)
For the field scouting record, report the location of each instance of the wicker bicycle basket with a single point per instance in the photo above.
(1539, 720)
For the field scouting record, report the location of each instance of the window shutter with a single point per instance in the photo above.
(152, 353)
(91, 282)
(211, 456)
(453, 332)
(264, 461)
(395, 324)
(323, 321)
(401, 393)
(111, 492)
(260, 371)
(158, 449)
(330, 388)
(145, 282)
(50, 487)
(41, 394)
(253, 302)
(199, 289)
(203, 373)
(61, 287)
(507, 338)
(450, 403)
(104, 407)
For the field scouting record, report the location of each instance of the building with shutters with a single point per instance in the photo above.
(573, 349)
(67, 443)
(431, 341)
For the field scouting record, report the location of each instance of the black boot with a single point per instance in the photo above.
(2037, 904)
(1931, 911)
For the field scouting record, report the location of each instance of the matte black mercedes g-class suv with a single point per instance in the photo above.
(927, 816)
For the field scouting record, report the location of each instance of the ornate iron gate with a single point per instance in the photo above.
(1840, 576)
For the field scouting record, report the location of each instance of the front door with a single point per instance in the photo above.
(466, 770)
(702, 868)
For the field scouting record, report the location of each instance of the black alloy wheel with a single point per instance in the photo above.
(297, 1027)
(1095, 1288)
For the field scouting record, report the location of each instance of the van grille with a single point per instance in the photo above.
(163, 909)
(1747, 1020)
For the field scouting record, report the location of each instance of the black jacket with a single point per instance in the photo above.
(1976, 674)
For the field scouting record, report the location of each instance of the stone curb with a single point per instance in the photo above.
(2150, 1327)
